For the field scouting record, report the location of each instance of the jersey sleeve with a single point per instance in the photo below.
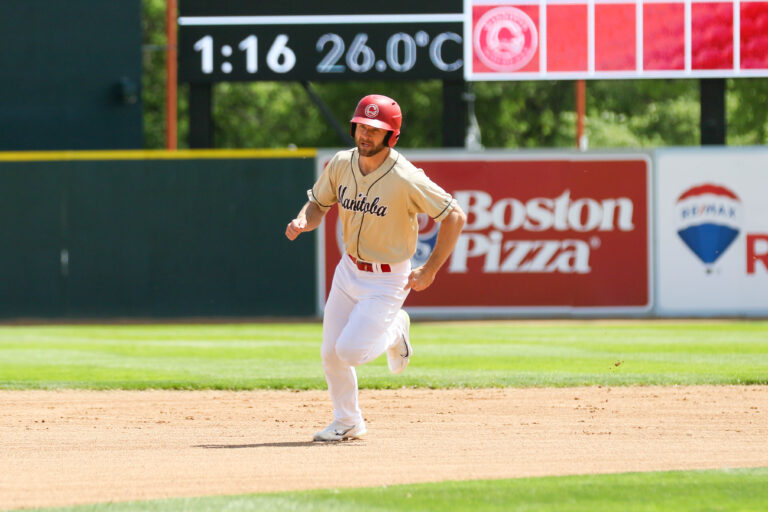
(323, 192)
(430, 198)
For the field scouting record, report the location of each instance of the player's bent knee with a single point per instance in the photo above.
(328, 353)
(350, 354)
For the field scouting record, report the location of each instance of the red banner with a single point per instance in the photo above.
(615, 39)
(539, 233)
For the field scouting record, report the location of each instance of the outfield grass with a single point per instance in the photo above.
(493, 354)
(741, 490)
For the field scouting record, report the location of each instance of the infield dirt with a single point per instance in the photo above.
(74, 447)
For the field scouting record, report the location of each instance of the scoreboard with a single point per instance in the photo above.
(243, 40)
(237, 40)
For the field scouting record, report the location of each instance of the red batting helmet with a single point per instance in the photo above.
(380, 112)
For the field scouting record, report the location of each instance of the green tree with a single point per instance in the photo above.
(153, 78)
(643, 113)
(279, 114)
(526, 114)
(747, 111)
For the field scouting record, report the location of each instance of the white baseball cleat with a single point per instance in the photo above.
(338, 431)
(399, 354)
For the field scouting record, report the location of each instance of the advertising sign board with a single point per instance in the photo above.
(545, 234)
(712, 231)
(558, 39)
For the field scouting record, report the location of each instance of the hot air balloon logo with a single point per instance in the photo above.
(708, 220)
(428, 230)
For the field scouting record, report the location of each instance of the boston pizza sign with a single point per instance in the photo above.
(543, 235)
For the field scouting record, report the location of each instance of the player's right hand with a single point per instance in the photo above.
(295, 228)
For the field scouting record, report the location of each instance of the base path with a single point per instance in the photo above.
(74, 447)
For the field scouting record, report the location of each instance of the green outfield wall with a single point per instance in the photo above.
(154, 234)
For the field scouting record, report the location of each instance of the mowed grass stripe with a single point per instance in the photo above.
(739, 490)
(471, 354)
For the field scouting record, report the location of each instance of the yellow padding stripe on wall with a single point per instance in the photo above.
(188, 154)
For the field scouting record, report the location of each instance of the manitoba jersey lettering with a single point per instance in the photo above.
(361, 204)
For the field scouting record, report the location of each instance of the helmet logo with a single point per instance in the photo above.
(371, 110)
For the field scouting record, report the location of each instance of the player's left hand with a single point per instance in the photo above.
(420, 279)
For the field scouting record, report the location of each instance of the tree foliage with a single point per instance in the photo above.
(526, 114)
(153, 77)
(747, 111)
(279, 114)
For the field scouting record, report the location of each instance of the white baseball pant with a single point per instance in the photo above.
(359, 324)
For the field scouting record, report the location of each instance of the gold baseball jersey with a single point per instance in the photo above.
(378, 211)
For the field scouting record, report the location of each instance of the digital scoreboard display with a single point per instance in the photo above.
(237, 40)
(244, 40)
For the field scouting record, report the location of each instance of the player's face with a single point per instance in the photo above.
(369, 140)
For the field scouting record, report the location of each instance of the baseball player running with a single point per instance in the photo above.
(379, 194)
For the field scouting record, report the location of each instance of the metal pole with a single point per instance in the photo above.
(341, 131)
(201, 115)
(713, 114)
(171, 81)
(581, 109)
(454, 113)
